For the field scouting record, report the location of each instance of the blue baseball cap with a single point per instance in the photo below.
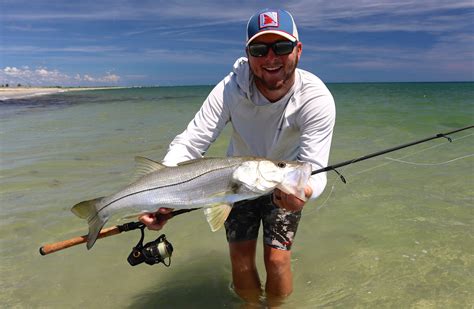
(275, 21)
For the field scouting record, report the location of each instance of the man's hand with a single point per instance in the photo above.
(289, 201)
(156, 221)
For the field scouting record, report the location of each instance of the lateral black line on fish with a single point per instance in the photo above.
(210, 183)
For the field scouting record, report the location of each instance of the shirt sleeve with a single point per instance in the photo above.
(202, 131)
(317, 118)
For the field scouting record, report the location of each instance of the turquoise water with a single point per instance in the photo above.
(397, 235)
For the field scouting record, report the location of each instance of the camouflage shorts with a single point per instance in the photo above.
(279, 225)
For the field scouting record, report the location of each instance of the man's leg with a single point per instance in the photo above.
(279, 275)
(242, 227)
(279, 230)
(244, 271)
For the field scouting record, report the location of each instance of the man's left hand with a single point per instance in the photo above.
(289, 201)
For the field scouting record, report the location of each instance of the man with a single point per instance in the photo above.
(279, 112)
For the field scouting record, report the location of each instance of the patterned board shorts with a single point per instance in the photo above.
(279, 225)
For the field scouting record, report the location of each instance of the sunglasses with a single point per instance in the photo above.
(280, 48)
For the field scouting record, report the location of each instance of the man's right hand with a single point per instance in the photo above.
(156, 221)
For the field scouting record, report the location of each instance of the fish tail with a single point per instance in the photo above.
(89, 210)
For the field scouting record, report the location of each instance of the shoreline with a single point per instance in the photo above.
(26, 92)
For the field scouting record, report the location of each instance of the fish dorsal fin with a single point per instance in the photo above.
(217, 215)
(146, 166)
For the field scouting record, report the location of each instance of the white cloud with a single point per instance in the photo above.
(86, 49)
(12, 71)
(112, 78)
(87, 78)
(107, 78)
(309, 12)
(43, 76)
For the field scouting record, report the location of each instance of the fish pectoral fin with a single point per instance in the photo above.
(146, 166)
(217, 215)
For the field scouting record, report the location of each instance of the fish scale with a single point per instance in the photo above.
(198, 189)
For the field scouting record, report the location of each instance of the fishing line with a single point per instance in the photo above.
(428, 164)
(334, 167)
(399, 160)
(433, 164)
(408, 155)
(318, 208)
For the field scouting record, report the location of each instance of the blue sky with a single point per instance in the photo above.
(118, 42)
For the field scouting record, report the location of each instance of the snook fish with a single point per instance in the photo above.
(212, 183)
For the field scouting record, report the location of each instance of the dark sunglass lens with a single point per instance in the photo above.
(258, 50)
(283, 48)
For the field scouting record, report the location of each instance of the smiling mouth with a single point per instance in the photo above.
(272, 69)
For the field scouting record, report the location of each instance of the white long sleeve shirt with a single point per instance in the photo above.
(297, 127)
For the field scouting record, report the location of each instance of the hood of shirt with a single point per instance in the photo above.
(243, 76)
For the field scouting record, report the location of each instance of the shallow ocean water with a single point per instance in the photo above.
(398, 234)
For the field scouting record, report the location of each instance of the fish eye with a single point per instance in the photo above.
(281, 164)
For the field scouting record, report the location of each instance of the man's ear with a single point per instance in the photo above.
(299, 49)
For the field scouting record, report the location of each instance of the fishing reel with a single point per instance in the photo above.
(153, 252)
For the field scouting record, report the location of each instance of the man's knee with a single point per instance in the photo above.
(278, 261)
(242, 264)
(242, 256)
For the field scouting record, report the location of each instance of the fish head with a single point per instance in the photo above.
(263, 176)
(296, 179)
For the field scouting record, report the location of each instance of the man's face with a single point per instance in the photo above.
(273, 72)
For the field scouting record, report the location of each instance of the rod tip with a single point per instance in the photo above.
(42, 251)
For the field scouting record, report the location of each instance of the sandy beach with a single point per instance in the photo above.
(24, 92)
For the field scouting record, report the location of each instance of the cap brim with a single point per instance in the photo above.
(286, 35)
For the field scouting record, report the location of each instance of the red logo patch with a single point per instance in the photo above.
(269, 19)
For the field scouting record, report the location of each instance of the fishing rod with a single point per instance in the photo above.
(156, 251)
(114, 230)
(381, 152)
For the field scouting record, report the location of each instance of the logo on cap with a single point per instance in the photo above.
(268, 19)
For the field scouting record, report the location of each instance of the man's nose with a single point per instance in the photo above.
(271, 54)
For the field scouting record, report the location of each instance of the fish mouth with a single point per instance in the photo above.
(295, 181)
